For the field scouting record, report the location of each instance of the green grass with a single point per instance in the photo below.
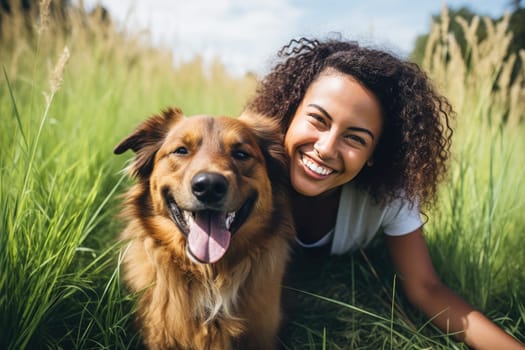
(59, 187)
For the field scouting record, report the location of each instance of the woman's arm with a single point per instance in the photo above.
(449, 312)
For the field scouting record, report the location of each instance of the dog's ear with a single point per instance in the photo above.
(146, 140)
(270, 138)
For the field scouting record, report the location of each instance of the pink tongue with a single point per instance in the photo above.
(208, 238)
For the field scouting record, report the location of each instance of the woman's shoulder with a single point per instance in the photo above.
(360, 218)
(358, 199)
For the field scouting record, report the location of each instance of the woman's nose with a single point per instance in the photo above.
(326, 145)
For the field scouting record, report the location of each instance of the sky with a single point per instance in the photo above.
(245, 34)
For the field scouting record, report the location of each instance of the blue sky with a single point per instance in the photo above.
(245, 34)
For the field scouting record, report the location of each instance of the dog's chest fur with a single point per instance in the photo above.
(208, 302)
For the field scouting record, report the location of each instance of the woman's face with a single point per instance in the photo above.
(333, 133)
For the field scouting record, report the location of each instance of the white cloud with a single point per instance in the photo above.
(242, 33)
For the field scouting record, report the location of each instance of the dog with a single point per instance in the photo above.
(208, 230)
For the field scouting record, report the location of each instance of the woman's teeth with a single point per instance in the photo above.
(316, 168)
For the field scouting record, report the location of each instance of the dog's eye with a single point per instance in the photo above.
(181, 150)
(241, 155)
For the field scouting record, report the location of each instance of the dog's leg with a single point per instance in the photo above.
(264, 313)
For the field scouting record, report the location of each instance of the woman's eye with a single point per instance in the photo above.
(318, 121)
(317, 118)
(181, 151)
(358, 139)
(240, 155)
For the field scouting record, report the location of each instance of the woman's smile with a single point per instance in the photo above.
(315, 167)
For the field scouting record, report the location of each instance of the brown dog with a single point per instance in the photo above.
(208, 229)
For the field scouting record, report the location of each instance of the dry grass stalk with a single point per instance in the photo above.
(479, 80)
(44, 16)
(57, 75)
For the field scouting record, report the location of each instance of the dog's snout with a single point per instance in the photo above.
(209, 187)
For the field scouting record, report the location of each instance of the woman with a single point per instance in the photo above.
(368, 138)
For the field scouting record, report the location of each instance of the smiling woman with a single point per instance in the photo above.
(369, 138)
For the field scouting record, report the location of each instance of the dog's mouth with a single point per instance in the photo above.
(208, 231)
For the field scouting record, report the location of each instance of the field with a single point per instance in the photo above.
(68, 97)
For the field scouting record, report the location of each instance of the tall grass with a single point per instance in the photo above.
(68, 96)
(478, 224)
(477, 228)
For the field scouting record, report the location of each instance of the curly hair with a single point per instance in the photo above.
(411, 157)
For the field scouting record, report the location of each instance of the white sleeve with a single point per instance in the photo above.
(402, 218)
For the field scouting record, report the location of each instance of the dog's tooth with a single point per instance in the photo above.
(229, 220)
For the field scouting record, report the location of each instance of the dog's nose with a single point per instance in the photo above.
(209, 187)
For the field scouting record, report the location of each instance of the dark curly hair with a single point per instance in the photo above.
(411, 156)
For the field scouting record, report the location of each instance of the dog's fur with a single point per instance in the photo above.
(194, 294)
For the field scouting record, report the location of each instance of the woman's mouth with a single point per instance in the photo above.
(315, 167)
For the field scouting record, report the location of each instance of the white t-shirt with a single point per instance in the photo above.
(359, 218)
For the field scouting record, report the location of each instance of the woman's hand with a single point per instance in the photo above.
(453, 315)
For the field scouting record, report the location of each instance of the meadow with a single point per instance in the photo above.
(68, 96)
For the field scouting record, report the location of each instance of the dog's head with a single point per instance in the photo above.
(210, 176)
